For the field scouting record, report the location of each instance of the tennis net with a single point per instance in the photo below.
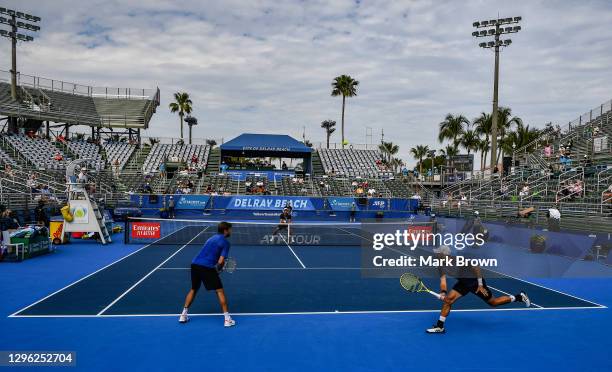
(177, 231)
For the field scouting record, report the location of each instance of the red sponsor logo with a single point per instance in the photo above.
(424, 231)
(147, 230)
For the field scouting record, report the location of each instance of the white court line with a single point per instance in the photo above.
(292, 251)
(508, 276)
(508, 294)
(550, 289)
(318, 312)
(95, 272)
(149, 274)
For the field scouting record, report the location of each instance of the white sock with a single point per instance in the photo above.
(512, 298)
(227, 316)
(185, 310)
(442, 318)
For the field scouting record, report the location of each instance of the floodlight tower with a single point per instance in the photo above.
(495, 28)
(14, 25)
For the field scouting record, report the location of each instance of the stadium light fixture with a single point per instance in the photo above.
(15, 25)
(496, 28)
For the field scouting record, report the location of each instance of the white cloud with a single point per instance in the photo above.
(267, 65)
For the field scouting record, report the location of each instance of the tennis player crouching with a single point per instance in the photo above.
(467, 282)
(205, 269)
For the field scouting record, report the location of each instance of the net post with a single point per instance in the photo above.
(125, 231)
(289, 233)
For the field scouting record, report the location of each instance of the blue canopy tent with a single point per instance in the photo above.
(252, 145)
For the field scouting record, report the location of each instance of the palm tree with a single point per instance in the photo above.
(211, 143)
(183, 105)
(329, 126)
(419, 152)
(191, 121)
(484, 146)
(344, 86)
(522, 136)
(504, 124)
(388, 150)
(452, 127)
(152, 141)
(482, 126)
(396, 163)
(469, 140)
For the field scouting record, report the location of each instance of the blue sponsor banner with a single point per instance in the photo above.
(378, 204)
(253, 202)
(182, 201)
(342, 203)
(191, 201)
(404, 204)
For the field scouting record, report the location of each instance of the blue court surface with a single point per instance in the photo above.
(296, 307)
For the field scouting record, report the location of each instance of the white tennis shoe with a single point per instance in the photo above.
(229, 323)
(525, 299)
(183, 318)
(435, 329)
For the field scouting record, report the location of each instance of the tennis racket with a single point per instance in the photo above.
(230, 265)
(412, 283)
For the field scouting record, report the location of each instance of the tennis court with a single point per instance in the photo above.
(300, 276)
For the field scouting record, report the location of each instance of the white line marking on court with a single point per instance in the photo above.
(271, 223)
(149, 274)
(508, 294)
(292, 251)
(318, 312)
(95, 272)
(550, 289)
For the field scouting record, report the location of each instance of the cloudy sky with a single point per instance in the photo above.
(266, 66)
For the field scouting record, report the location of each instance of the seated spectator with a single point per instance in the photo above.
(31, 183)
(548, 150)
(284, 166)
(82, 176)
(578, 187)
(503, 190)
(595, 131)
(586, 160)
(9, 170)
(58, 157)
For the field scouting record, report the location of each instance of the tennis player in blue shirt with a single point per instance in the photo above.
(205, 269)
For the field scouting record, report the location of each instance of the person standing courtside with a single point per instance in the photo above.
(171, 207)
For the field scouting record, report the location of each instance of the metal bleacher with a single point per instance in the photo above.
(63, 102)
(353, 163)
(579, 188)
